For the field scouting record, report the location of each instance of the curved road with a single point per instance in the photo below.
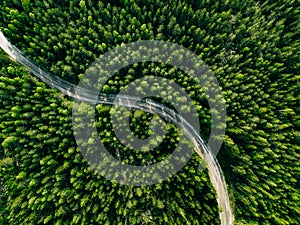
(214, 169)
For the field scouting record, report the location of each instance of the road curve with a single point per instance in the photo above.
(214, 169)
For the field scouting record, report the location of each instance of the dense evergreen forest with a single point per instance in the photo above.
(252, 47)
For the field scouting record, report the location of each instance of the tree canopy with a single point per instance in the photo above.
(251, 46)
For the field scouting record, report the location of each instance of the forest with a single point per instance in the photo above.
(253, 49)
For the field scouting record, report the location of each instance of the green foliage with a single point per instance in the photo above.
(45, 179)
(253, 49)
